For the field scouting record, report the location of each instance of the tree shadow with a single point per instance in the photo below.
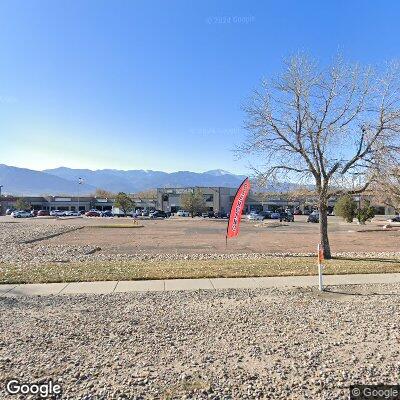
(332, 290)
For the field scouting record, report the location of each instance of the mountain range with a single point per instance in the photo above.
(63, 181)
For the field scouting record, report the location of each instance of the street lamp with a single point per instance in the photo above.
(359, 175)
(80, 182)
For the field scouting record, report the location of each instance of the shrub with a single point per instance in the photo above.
(346, 208)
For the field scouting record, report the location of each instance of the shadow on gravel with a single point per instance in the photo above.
(364, 293)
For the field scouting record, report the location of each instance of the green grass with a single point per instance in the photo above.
(142, 270)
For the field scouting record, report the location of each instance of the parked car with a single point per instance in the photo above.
(265, 214)
(107, 214)
(21, 214)
(396, 219)
(183, 213)
(158, 214)
(286, 216)
(145, 213)
(9, 211)
(71, 213)
(34, 213)
(43, 213)
(208, 214)
(93, 213)
(313, 217)
(255, 217)
(220, 214)
(57, 213)
(275, 215)
(297, 212)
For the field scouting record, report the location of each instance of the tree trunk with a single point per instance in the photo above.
(323, 228)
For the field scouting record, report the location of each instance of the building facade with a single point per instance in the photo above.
(220, 199)
(217, 199)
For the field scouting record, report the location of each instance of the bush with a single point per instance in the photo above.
(365, 213)
(346, 208)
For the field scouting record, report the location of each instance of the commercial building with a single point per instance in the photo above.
(65, 203)
(220, 199)
(217, 199)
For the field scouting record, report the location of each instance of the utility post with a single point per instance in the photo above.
(80, 182)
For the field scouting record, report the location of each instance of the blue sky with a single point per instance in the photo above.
(159, 84)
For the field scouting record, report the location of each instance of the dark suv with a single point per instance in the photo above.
(220, 214)
(287, 217)
(158, 214)
(313, 217)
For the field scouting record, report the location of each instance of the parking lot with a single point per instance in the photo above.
(204, 235)
(75, 249)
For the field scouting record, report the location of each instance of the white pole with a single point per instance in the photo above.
(320, 283)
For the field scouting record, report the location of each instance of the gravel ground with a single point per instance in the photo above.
(14, 250)
(233, 344)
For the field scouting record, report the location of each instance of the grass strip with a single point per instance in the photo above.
(144, 270)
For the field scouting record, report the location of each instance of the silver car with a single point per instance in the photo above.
(21, 214)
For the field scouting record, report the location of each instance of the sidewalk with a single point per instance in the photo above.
(44, 289)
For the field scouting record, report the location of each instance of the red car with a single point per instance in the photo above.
(92, 214)
(43, 213)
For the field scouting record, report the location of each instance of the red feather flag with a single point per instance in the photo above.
(237, 209)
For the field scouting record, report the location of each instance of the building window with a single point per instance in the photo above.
(165, 197)
(209, 197)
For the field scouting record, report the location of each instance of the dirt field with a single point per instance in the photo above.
(187, 235)
(90, 249)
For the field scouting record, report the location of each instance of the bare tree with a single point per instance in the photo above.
(320, 126)
(102, 193)
(387, 189)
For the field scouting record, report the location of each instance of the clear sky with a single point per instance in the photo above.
(159, 84)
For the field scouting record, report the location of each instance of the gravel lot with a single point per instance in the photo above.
(235, 344)
(14, 249)
(168, 240)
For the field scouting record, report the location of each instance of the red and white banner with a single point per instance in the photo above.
(237, 209)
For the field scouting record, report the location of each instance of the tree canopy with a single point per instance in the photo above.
(320, 125)
(124, 202)
(193, 201)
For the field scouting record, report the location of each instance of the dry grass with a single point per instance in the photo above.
(143, 270)
(129, 226)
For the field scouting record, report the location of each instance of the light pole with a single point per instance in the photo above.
(80, 182)
(1, 186)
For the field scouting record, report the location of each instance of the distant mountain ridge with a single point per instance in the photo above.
(28, 182)
(63, 180)
(139, 180)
